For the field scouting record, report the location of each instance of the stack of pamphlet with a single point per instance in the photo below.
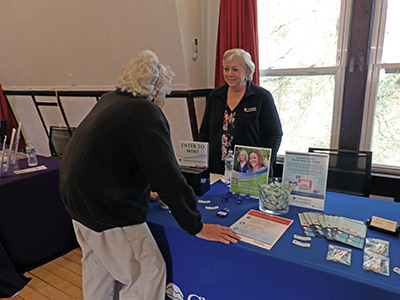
(335, 228)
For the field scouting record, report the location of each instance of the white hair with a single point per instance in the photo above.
(143, 74)
(163, 83)
(247, 62)
(245, 153)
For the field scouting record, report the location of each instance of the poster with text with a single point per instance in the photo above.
(306, 174)
(250, 169)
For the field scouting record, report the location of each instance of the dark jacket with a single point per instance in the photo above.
(119, 149)
(257, 123)
(242, 170)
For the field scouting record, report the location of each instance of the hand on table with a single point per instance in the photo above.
(218, 233)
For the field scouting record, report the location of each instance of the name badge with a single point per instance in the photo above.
(250, 109)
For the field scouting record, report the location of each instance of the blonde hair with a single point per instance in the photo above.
(143, 74)
(246, 58)
(245, 153)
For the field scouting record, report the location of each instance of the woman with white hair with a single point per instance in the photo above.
(239, 113)
(243, 164)
(121, 148)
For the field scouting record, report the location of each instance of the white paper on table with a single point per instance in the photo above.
(261, 229)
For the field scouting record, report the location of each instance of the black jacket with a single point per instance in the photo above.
(119, 149)
(257, 123)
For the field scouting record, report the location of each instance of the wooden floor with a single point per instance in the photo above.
(60, 279)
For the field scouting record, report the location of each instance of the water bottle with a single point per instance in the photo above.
(31, 154)
(228, 167)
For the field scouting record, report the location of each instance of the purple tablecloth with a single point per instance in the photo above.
(34, 225)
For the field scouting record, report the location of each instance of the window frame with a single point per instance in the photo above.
(374, 68)
(338, 70)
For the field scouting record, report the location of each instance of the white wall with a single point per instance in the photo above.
(199, 19)
(83, 44)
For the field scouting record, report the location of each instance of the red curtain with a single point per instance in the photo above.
(237, 29)
(6, 114)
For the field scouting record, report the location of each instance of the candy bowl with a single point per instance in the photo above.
(273, 198)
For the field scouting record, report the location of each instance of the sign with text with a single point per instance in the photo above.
(306, 174)
(192, 153)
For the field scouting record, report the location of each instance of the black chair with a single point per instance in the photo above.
(59, 138)
(349, 171)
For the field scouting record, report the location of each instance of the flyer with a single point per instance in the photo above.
(250, 168)
(306, 174)
(261, 229)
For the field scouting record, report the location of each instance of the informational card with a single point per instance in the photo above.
(192, 153)
(335, 228)
(350, 232)
(250, 169)
(261, 229)
(384, 224)
(306, 174)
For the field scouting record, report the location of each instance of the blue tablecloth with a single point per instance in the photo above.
(34, 225)
(213, 270)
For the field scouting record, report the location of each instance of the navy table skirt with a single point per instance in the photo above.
(34, 225)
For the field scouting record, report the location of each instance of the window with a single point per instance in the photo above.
(302, 65)
(381, 126)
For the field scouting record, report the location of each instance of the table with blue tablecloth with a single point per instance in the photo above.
(199, 269)
(34, 225)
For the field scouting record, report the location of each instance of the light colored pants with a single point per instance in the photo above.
(121, 263)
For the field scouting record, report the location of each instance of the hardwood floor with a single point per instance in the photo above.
(60, 279)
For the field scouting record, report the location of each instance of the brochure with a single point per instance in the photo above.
(261, 229)
(306, 174)
(250, 169)
(340, 229)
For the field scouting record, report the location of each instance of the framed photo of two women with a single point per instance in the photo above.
(250, 169)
